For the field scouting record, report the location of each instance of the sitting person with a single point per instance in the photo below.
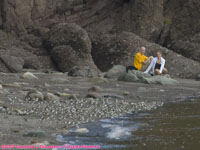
(140, 60)
(157, 65)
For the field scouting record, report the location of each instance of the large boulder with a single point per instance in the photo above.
(69, 46)
(24, 52)
(14, 64)
(198, 77)
(115, 72)
(109, 50)
(65, 57)
(85, 71)
(137, 76)
(13, 58)
(121, 49)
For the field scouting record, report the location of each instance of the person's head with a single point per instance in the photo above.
(159, 55)
(142, 50)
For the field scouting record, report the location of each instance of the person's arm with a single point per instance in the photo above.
(147, 60)
(162, 66)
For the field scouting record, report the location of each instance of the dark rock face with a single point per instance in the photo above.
(189, 48)
(69, 46)
(181, 27)
(146, 18)
(45, 32)
(108, 50)
(177, 65)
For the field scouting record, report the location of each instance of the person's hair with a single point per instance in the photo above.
(159, 52)
(142, 48)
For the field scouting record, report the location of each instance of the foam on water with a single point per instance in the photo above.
(104, 132)
(118, 132)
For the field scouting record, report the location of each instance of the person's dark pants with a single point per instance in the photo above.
(130, 68)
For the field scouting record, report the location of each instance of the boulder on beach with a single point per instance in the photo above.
(137, 76)
(14, 64)
(69, 46)
(198, 77)
(115, 72)
(29, 75)
(34, 95)
(85, 71)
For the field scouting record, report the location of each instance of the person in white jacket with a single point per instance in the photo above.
(157, 66)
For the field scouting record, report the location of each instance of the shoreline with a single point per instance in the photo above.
(27, 122)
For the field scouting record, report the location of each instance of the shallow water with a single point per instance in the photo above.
(174, 126)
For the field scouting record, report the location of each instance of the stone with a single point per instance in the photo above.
(137, 76)
(34, 95)
(2, 109)
(58, 73)
(4, 91)
(198, 77)
(126, 93)
(29, 75)
(51, 97)
(35, 134)
(93, 95)
(47, 85)
(95, 89)
(82, 130)
(15, 85)
(114, 96)
(71, 41)
(1, 87)
(12, 85)
(66, 95)
(98, 80)
(14, 64)
(20, 112)
(23, 93)
(1, 82)
(129, 77)
(59, 80)
(115, 72)
(85, 71)
(66, 90)
(162, 80)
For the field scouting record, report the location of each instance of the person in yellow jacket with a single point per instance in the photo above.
(140, 60)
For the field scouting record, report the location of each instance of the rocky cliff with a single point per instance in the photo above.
(60, 34)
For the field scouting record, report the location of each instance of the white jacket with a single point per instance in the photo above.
(153, 65)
